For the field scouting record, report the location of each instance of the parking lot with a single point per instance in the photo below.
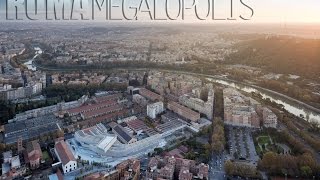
(241, 146)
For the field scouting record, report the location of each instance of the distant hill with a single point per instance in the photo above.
(280, 55)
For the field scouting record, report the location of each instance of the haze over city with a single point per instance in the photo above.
(272, 11)
(138, 89)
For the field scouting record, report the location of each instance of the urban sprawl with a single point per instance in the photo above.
(152, 124)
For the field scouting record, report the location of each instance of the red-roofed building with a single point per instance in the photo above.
(203, 172)
(90, 107)
(65, 156)
(150, 95)
(174, 153)
(101, 112)
(171, 168)
(184, 111)
(129, 169)
(113, 97)
(33, 154)
(137, 125)
(167, 172)
(185, 174)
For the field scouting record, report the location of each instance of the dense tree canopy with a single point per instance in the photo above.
(281, 55)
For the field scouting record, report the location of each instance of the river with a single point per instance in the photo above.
(29, 63)
(293, 108)
(292, 105)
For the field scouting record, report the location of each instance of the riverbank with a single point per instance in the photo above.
(292, 105)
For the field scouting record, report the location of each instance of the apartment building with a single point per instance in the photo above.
(154, 109)
(184, 111)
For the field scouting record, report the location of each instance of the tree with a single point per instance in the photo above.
(2, 147)
(269, 160)
(306, 171)
(207, 148)
(229, 167)
(158, 151)
(241, 169)
(217, 138)
(315, 126)
(217, 146)
(59, 133)
(191, 156)
(307, 160)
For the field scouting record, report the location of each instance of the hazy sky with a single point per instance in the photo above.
(278, 11)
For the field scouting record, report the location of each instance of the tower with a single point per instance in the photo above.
(20, 145)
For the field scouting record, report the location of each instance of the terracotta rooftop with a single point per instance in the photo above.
(98, 112)
(64, 152)
(91, 107)
(108, 98)
(149, 94)
(183, 108)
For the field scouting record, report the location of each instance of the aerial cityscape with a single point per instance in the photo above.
(159, 101)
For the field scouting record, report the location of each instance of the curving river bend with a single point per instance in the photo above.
(292, 107)
(296, 107)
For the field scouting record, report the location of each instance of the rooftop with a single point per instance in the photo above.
(123, 133)
(91, 107)
(97, 135)
(64, 152)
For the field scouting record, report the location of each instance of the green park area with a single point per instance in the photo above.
(45, 156)
(267, 143)
(264, 140)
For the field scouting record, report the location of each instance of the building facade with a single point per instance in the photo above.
(154, 109)
(270, 120)
(65, 156)
(33, 154)
(184, 111)
(195, 102)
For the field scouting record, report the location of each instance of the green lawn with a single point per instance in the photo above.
(263, 140)
(258, 149)
(45, 155)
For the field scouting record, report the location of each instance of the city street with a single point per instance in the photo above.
(216, 166)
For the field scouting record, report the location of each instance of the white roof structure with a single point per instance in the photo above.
(15, 162)
(96, 138)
